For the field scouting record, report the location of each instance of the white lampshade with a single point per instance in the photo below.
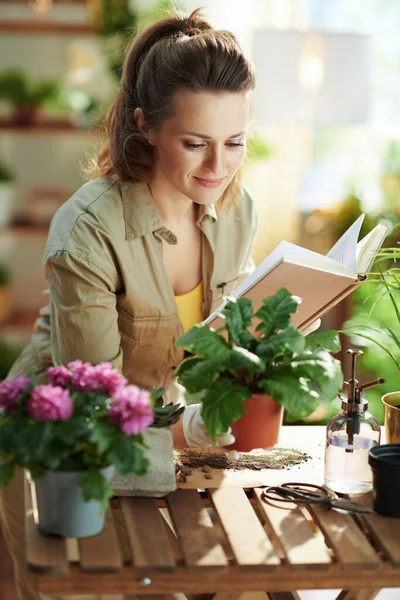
(311, 76)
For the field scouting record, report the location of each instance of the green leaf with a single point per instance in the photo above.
(34, 439)
(355, 331)
(222, 405)
(196, 373)
(165, 416)
(238, 314)
(322, 370)
(6, 472)
(294, 393)
(275, 312)
(76, 428)
(104, 436)
(156, 396)
(95, 487)
(201, 340)
(324, 339)
(288, 340)
(243, 359)
(127, 455)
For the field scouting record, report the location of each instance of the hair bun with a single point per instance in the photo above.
(191, 31)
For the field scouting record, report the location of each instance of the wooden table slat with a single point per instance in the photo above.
(302, 548)
(122, 535)
(171, 534)
(44, 554)
(101, 552)
(384, 531)
(351, 547)
(194, 528)
(249, 542)
(150, 546)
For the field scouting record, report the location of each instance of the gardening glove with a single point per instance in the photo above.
(196, 435)
(312, 327)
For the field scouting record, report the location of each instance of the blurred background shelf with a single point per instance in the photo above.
(47, 128)
(45, 27)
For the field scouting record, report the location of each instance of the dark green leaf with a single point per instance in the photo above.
(243, 359)
(321, 369)
(127, 456)
(201, 340)
(95, 487)
(165, 416)
(294, 393)
(238, 314)
(104, 436)
(76, 428)
(324, 339)
(276, 311)
(222, 405)
(34, 439)
(196, 373)
(6, 472)
(156, 396)
(288, 340)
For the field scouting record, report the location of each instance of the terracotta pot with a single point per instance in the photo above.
(27, 115)
(260, 425)
(391, 403)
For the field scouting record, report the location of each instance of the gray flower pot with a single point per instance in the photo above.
(61, 507)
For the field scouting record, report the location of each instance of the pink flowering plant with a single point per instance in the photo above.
(84, 419)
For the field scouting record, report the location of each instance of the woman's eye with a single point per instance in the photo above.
(194, 146)
(235, 145)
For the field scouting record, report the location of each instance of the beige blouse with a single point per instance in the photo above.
(110, 296)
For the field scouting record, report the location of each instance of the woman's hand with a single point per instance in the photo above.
(196, 435)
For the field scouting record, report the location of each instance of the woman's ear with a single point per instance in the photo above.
(140, 122)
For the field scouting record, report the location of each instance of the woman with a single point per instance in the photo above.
(148, 247)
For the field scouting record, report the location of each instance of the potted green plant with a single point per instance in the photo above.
(245, 378)
(71, 435)
(25, 96)
(7, 194)
(380, 327)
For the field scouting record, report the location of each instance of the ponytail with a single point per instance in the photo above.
(175, 53)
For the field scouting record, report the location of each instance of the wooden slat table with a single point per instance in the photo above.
(224, 541)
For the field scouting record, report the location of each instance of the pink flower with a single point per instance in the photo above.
(59, 376)
(11, 390)
(109, 378)
(50, 403)
(131, 410)
(100, 378)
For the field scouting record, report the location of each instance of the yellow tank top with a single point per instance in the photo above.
(189, 307)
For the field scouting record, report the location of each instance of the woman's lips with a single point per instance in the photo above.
(209, 183)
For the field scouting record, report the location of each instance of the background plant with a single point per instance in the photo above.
(6, 174)
(375, 324)
(19, 90)
(4, 275)
(296, 371)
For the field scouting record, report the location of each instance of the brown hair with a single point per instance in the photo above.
(173, 54)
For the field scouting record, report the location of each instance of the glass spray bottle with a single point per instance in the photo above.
(349, 436)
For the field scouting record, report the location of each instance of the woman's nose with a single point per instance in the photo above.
(214, 161)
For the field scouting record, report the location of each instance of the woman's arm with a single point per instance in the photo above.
(84, 318)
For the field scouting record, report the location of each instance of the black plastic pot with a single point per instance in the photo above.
(385, 464)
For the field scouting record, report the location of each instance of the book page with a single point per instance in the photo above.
(345, 249)
(279, 254)
(369, 246)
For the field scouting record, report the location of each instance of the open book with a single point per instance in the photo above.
(320, 281)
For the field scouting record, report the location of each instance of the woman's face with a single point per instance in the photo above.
(200, 148)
